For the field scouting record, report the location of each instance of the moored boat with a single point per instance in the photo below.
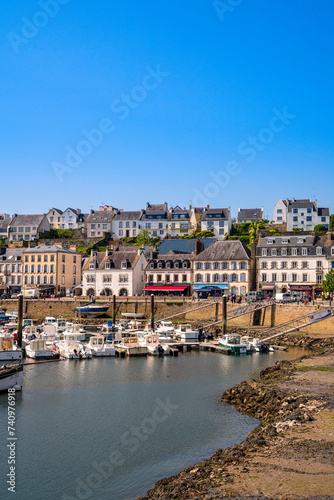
(8, 350)
(71, 348)
(99, 347)
(37, 349)
(233, 342)
(11, 376)
(187, 333)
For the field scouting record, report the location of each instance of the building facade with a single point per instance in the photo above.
(217, 220)
(223, 268)
(126, 224)
(11, 270)
(250, 214)
(295, 263)
(302, 214)
(114, 272)
(169, 274)
(99, 223)
(27, 227)
(51, 269)
(54, 218)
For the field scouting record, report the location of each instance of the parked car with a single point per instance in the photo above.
(14, 296)
(283, 297)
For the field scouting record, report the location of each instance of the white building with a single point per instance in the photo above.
(217, 220)
(11, 270)
(155, 220)
(303, 214)
(99, 223)
(114, 273)
(294, 263)
(250, 214)
(126, 224)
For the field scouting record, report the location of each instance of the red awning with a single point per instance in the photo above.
(166, 288)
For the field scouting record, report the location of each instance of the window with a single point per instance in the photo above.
(32, 269)
(221, 231)
(52, 258)
(304, 265)
(279, 218)
(319, 251)
(63, 258)
(123, 278)
(124, 265)
(51, 280)
(304, 251)
(274, 277)
(45, 268)
(332, 251)
(184, 278)
(127, 224)
(319, 265)
(45, 258)
(176, 277)
(264, 252)
(295, 219)
(264, 265)
(216, 278)
(159, 278)
(294, 265)
(279, 211)
(39, 268)
(295, 210)
(176, 265)
(120, 224)
(309, 219)
(199, 278)
(323, 219)
(207, 278)
(264, 277)
(309, 210)
(63, 269)
(32, 280)
(274, 252)
(294, 277)
(294, 251)
(63, 280)
(92, 265)
(52, 268)
(39, 258)
(74, 282)
(284, 252)
(74, 269)
(150, 278)
(33, 258)
(134, 224)
(304, 277)
(274, 265)
(167, 278)
(284, 277)
(319, 279)
(107, 278)
(27, 229)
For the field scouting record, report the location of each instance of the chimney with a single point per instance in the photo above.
(199, 247)
(78, 211)
(91, 211)
(154, 255)
(108, 252)
(207, 207)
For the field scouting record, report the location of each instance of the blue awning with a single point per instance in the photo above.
(210, 288)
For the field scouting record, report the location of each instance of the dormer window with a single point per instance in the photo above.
(304, 251)
(264, 252)
(185, 265)
(285, 241)
(159, 265)
(270, 242)
(274, 252)
(319, 251)
(167, 265)
(176, 265)
(152, 265)
(294, 251)
(107, 266)
(332, 251)
(124, 264)
(300, 240)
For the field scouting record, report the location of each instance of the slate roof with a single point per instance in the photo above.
(223, 212)
(12, 254)
(134, 215)
(117, 257)
(323, 212)
(27, 220)
(172, 258)
(250, 214)
(56, 209)
(4, 223)
(182, 245)
(50, 248)
(103, 217)
(301, 204)
(158, 206)
(225, 250)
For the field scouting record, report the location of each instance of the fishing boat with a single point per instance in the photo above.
(71, 348)
(8, 350)
(99, 347)
(152, 344)
(37, 349)
(11, 376)
(130, 347)
(187, 333)
(166, 327)
(232, 341)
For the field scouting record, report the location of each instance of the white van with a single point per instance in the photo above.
(283, 297)
(32, 293)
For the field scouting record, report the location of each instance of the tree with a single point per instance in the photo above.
(205, 234)
(320, 228)
(331, 222)
(328, 282)
(144, 238)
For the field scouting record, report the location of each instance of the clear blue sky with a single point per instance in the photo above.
(224, 74)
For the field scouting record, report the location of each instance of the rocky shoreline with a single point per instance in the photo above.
(290, 455)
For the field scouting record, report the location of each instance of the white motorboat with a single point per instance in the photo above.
(151, 342)
(50, 320)
(77, 329)
(29, 333)
(37, 349)
(8, 350)
(72, 348)
(11, 376)
(130, 346)
(187, 333)
(99, 348)
(234, 344)
(166, 328)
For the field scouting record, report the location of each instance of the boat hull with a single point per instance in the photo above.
(13, 355)
(14, 378)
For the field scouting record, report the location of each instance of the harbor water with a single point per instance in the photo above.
(110, 428)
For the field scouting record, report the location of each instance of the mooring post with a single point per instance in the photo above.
(20, 321)
(114, 310)
(216, 314)
(224, 314)
(152, 311)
